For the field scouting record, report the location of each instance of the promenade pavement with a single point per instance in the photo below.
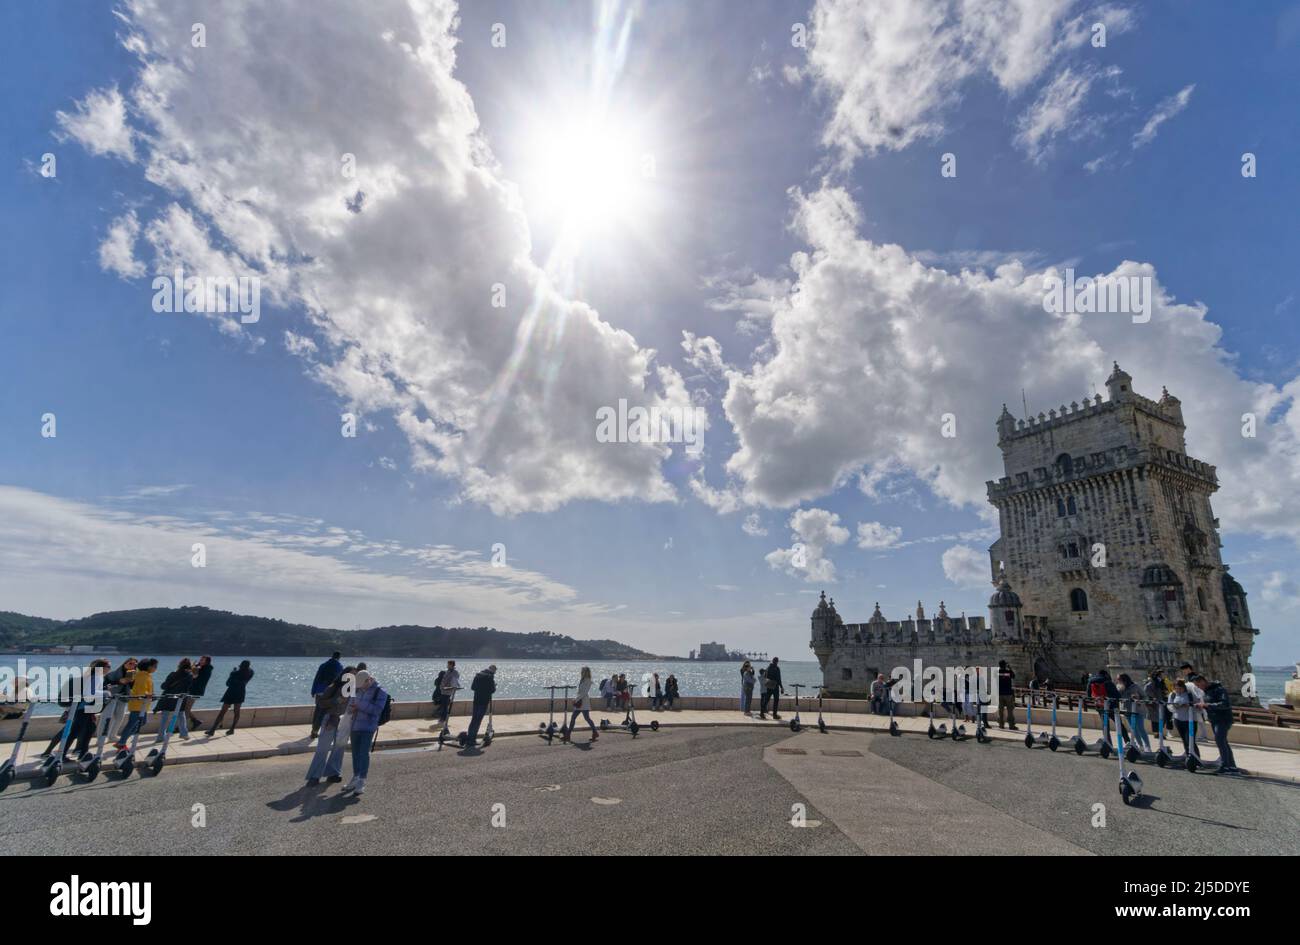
(271, 740)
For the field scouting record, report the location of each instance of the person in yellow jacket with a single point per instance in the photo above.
(138, 704)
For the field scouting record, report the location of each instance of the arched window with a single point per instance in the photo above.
(1065, 464)
(1060, 508)
(1070, 506)
(1200, 597)
(1078, 600)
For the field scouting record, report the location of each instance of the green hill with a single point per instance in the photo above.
(221, 633)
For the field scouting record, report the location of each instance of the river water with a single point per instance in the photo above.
(286, 680)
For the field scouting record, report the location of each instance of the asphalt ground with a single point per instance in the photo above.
(728, 791)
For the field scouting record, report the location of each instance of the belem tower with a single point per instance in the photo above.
(1108, 558)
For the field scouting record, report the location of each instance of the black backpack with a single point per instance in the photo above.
(437, 687)
(386, 712)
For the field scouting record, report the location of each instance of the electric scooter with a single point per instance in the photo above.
(90, 762)
(548, 730)
(51, 766)
(795, 724)
(1045, 738)
(1163, 755)
(9, 769)
(444, 734)
(1102, 745)
(1130, 784)
(821, 722)
(157, 756)
(958, 728)
(981, 728)
(488, 734)
(936, 731)
(1077, 741)
(124, 760)
(629, 723)
(1193, 760)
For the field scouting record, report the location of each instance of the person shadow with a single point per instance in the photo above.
(310, 801)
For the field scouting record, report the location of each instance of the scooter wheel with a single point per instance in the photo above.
(1105, 749)
(1053, 743)
(49, 774)
(157, 765)
(6, 778)
(1132, 754)
(1126, 792)
(1029, 741)
(1162, 759)
(893, 730)
(127, 767)
(654, 725)
(634, 728)
(821, 726)
(1192, 764)
(1080, 748)
(92, 771)
(461, 739)
(794, 725)
(983, 738)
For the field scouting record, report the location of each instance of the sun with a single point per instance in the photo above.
(589, 176)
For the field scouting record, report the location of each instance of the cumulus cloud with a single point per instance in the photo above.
(99, 124)
(753, 526)
(874, 535)
(873, 348)
(1166, 110)
(814, 530)
(396, 292)
(703, 354)
(117, 251)
(965, 566)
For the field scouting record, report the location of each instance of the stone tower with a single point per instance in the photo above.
(1108, 537)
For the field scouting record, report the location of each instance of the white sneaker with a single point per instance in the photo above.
(351, 785)
(360, 788)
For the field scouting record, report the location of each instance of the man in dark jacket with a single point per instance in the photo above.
(1006, 695)
(772, 689)
(484, 684)
(1105, 695)
(1218, 709)
(198, 686)
(326, 674)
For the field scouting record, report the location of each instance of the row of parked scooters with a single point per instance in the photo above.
(119, 762)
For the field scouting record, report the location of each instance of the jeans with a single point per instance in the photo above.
(1220, 730)
(585, 714)
(747, 700)
(361, 744)
(328, 760)
(317, 714)
(1182, 732)
(1137, 730)
(133, 725)
(475, 719)
(668, 700)
(609, 701)
(182, 723)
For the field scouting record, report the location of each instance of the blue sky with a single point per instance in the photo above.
(796, 233)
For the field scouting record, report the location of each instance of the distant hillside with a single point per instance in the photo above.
(221, 633)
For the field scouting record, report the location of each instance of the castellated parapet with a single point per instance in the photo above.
(1108, 557)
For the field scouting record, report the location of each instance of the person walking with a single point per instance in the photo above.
(326, 675)
(199, 686)
(236, 692)
(772, 689)
(1006, 695)
(174, 689)
(482, 686)
(581, 706)
(1218, 710)
(746, 688)
(138, 704)
(447, 689)
(334, 731)
(1180, 703)
(366, 706)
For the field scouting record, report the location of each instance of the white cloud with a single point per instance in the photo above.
(895, 68)
(753, 526)
(965, 566)
(874, 535)
(703, 354)
(100, 124)
(1058, 110)
(1166, 110)
(814, 531)
(873, 348)
(117, 251)
(397, 295)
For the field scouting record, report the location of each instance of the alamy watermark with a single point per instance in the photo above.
(652, 425)
(1116, 295)
(179, 293)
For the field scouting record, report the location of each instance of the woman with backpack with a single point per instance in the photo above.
(582, 706)
(236, 692)
(367, 708)
(746, 688)
(335, 726)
